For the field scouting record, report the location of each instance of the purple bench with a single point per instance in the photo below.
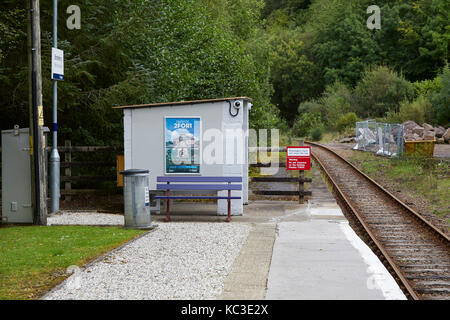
(198, 183)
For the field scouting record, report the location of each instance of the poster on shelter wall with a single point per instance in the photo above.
(182, 144)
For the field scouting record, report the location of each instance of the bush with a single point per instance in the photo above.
(316, 133)
(337, 100)
(381, 90)
(345, 121)
(418, 111)
(427, 87)
(440, 100)
(306, 122)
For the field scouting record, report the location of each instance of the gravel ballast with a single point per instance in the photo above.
(175, 261)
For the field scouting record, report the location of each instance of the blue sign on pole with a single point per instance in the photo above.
(57, 64)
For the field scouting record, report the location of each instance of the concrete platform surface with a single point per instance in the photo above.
(322, 258)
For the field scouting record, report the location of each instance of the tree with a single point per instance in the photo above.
(295, 78)
(381, 90)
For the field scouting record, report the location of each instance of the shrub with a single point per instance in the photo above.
(440, 100)
(418, 111)
(336, 99)
(306, 122)
(316, 133)
(381, 90)
(427, 87)
(347, 120)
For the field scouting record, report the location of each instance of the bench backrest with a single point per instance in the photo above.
(194, 185)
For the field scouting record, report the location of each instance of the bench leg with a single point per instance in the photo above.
(167, 208)
(229, 206)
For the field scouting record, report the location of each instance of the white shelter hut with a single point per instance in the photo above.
(190, 138)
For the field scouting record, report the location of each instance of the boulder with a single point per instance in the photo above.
(439, 131)
(409, 137)
(428, 135)
(440, 140)
(427, 127)
(412, 137)
(409, 125)
(446, 135)
(418, 130)
(347, 140)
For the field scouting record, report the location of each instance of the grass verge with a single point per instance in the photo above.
(33, 259)
(425, 182)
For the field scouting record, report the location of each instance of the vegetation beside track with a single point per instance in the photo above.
(422, 183)
(33, 259)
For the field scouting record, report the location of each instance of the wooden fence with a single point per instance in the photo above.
(301, 180)
(67, 164)
(68, 179)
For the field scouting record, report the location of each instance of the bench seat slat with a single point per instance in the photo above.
(198, 179)
(199, 187)
(194, 197)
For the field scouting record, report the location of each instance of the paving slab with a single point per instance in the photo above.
(247, 279)
(323, 259)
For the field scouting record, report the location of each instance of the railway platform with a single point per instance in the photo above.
(322, 258)
(299, 252)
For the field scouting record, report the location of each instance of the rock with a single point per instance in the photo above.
(446, 135)
(440, 140)
(347, 140)
(427, 127)
(412, 137)
(408, 136)
(409, 125)
(428, 135)
(439, 131)
(418, 130)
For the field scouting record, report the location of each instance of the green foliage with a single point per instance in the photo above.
(381, 90)
(137, 51)
(346, 121)
(316, 133)
(291, 56)
(343, 44)
(441, 100)
(336, 100)
(418, 111)
(413, 41)
(427, 87)
(306, 122)
(414, 37)
(294, 77)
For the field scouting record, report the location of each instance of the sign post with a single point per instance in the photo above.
(57, 75)
(299, 158)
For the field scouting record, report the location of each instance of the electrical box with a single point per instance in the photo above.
(16, 176)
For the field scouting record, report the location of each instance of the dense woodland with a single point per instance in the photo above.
(309, 65)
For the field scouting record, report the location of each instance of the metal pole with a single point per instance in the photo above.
(54, 156)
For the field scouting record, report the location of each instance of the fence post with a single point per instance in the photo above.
(301, 179)
(68, 169)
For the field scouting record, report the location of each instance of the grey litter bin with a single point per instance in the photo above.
(136, 199)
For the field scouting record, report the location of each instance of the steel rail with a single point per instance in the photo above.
(348, 203)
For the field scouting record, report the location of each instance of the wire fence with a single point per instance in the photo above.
(381, 138)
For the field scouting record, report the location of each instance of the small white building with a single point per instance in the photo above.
(190, 138)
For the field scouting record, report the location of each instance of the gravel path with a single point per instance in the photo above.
(176, 261)
(85, 218)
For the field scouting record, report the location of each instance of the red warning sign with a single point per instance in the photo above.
(298, 158)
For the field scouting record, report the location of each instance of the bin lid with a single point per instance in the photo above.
(134, 171)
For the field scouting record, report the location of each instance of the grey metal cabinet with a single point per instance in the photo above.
(16, 176)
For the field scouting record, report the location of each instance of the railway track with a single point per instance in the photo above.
(415, 252)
